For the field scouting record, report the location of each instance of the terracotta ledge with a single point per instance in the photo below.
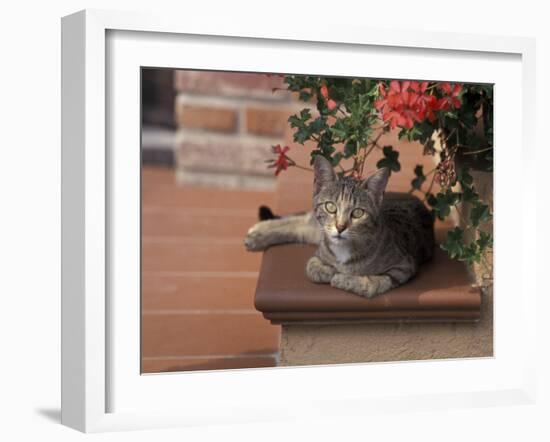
(441, 292)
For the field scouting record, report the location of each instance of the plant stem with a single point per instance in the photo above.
(301, 167)
(428, 192)
(293, 163)
(473, 152)
(448, 136)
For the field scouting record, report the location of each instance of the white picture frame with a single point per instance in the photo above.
(89, 319)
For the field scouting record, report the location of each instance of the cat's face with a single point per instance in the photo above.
(346, 208)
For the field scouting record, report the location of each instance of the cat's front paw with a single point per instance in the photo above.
(319, 272)
(256, 238)
(360, 285)
(342, 282)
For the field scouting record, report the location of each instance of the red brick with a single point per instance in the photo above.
(231, 84)
(217, 119)
(227, 155)
(267, 121)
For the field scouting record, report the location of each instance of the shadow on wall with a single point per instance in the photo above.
(157, 117)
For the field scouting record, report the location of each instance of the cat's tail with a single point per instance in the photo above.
(265, 213)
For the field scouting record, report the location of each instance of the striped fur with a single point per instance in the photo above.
(368, 242)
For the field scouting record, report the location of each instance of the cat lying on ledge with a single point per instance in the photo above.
(368, 242)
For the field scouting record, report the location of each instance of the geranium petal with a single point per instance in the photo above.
(445, 87)
(456, 89)
(394, 86)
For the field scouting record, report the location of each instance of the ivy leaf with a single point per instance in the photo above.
(480, 213)
(442, 203)
(484, 241)
(390, 159)
(453, 244)
(464, 178)
(469, 195)
(470, 253)
(417, 182)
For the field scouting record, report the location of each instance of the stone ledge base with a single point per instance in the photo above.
(383, 342)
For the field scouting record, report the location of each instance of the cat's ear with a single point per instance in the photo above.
(376, 184)
(323, 173)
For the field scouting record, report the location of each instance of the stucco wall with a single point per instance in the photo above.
(346, 343)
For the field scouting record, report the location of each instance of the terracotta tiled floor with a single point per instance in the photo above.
(198, 281)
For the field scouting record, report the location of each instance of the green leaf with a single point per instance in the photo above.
(470, 253)
(464, 178)
(335, 160)
(453, 243)
(484, 241)
(442, 203)
(480, 213)
(318, 125)
(305, 95)
(299, 122)
(301, 136)
(339, 129)
(417, 182)
(469, 195)
(350, 149)
(390, 159)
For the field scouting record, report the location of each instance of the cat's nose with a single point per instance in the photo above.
(341, 227)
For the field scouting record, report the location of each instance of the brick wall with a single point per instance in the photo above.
(226, 125)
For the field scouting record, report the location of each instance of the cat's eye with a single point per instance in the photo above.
(330, 207)
(357, 213)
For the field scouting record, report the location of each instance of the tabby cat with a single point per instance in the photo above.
(368, 242)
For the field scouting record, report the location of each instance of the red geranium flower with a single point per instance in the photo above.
(403, 104)
(331, 104)
(426, 105)
(408, 102)
(451, 91)
(281, 163)
(324, 91)
(418, 87)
